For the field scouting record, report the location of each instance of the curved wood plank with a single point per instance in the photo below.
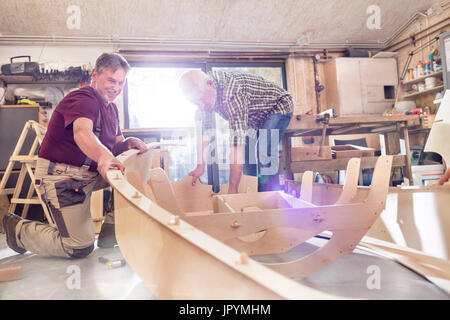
(357, 217)
(155, 248)
(437, 140)
(279, 240)
(351, 181)
(163, 191)
(306, 186)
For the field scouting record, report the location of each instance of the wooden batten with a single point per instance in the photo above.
(10, 273)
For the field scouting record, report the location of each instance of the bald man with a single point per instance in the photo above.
(258, 112)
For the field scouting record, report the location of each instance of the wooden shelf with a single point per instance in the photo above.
(416, 80)
(19, 105)
(29, 80)
(441, 87)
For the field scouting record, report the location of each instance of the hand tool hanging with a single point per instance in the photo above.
(324, 119)
(317, 86)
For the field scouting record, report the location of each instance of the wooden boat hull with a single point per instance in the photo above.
(169, 259)
(199, 255)
(178, 261)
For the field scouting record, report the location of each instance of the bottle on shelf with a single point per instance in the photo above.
(420, 68)
(410, 74)
(432, 61)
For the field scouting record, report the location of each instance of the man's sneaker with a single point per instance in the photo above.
(107, 236)
(10, 222)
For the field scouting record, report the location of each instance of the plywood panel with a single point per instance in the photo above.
(300, 75)
(349, 86)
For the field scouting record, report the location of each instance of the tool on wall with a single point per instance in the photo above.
(71, 74)
(31, 68)
(325, 120)
(317, 86)
(412, 53)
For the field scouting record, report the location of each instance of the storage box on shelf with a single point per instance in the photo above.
(427, 174)
(423, 85)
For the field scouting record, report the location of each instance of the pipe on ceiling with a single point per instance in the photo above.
(417, 15)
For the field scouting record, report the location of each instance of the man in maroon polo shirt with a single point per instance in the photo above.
(80, 145)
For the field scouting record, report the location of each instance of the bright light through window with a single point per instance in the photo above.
(155, 100)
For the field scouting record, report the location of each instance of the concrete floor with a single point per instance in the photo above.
(61, 279)
(50, 278)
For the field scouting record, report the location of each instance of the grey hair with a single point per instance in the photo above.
(112, 61)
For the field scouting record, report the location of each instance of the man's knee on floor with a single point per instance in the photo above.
(80, 252)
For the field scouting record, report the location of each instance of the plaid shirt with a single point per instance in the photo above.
(245, 100)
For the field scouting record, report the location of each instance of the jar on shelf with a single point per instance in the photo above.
(420, 69)
(421, 86)
(410, 74)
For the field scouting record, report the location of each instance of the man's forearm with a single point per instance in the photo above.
(90, 145)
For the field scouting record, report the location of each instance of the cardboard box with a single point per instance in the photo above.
(427, 121)
(351, 151)
(310, 153)
(427, 174)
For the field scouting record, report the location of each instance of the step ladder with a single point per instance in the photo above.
(27, 163)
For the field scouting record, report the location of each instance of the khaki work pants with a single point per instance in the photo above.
(67, 192)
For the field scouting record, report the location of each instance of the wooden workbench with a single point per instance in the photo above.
(306, 125)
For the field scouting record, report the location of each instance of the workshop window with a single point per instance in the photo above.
(153, 100)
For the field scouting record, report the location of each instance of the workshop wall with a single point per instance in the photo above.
(301, 84)
(299, 70)
(424, 28)
(60, 58)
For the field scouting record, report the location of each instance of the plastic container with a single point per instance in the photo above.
(427, 174)
(403, 106)
(430, 82)
(421, 86)
(410, 74)
(420, 69)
